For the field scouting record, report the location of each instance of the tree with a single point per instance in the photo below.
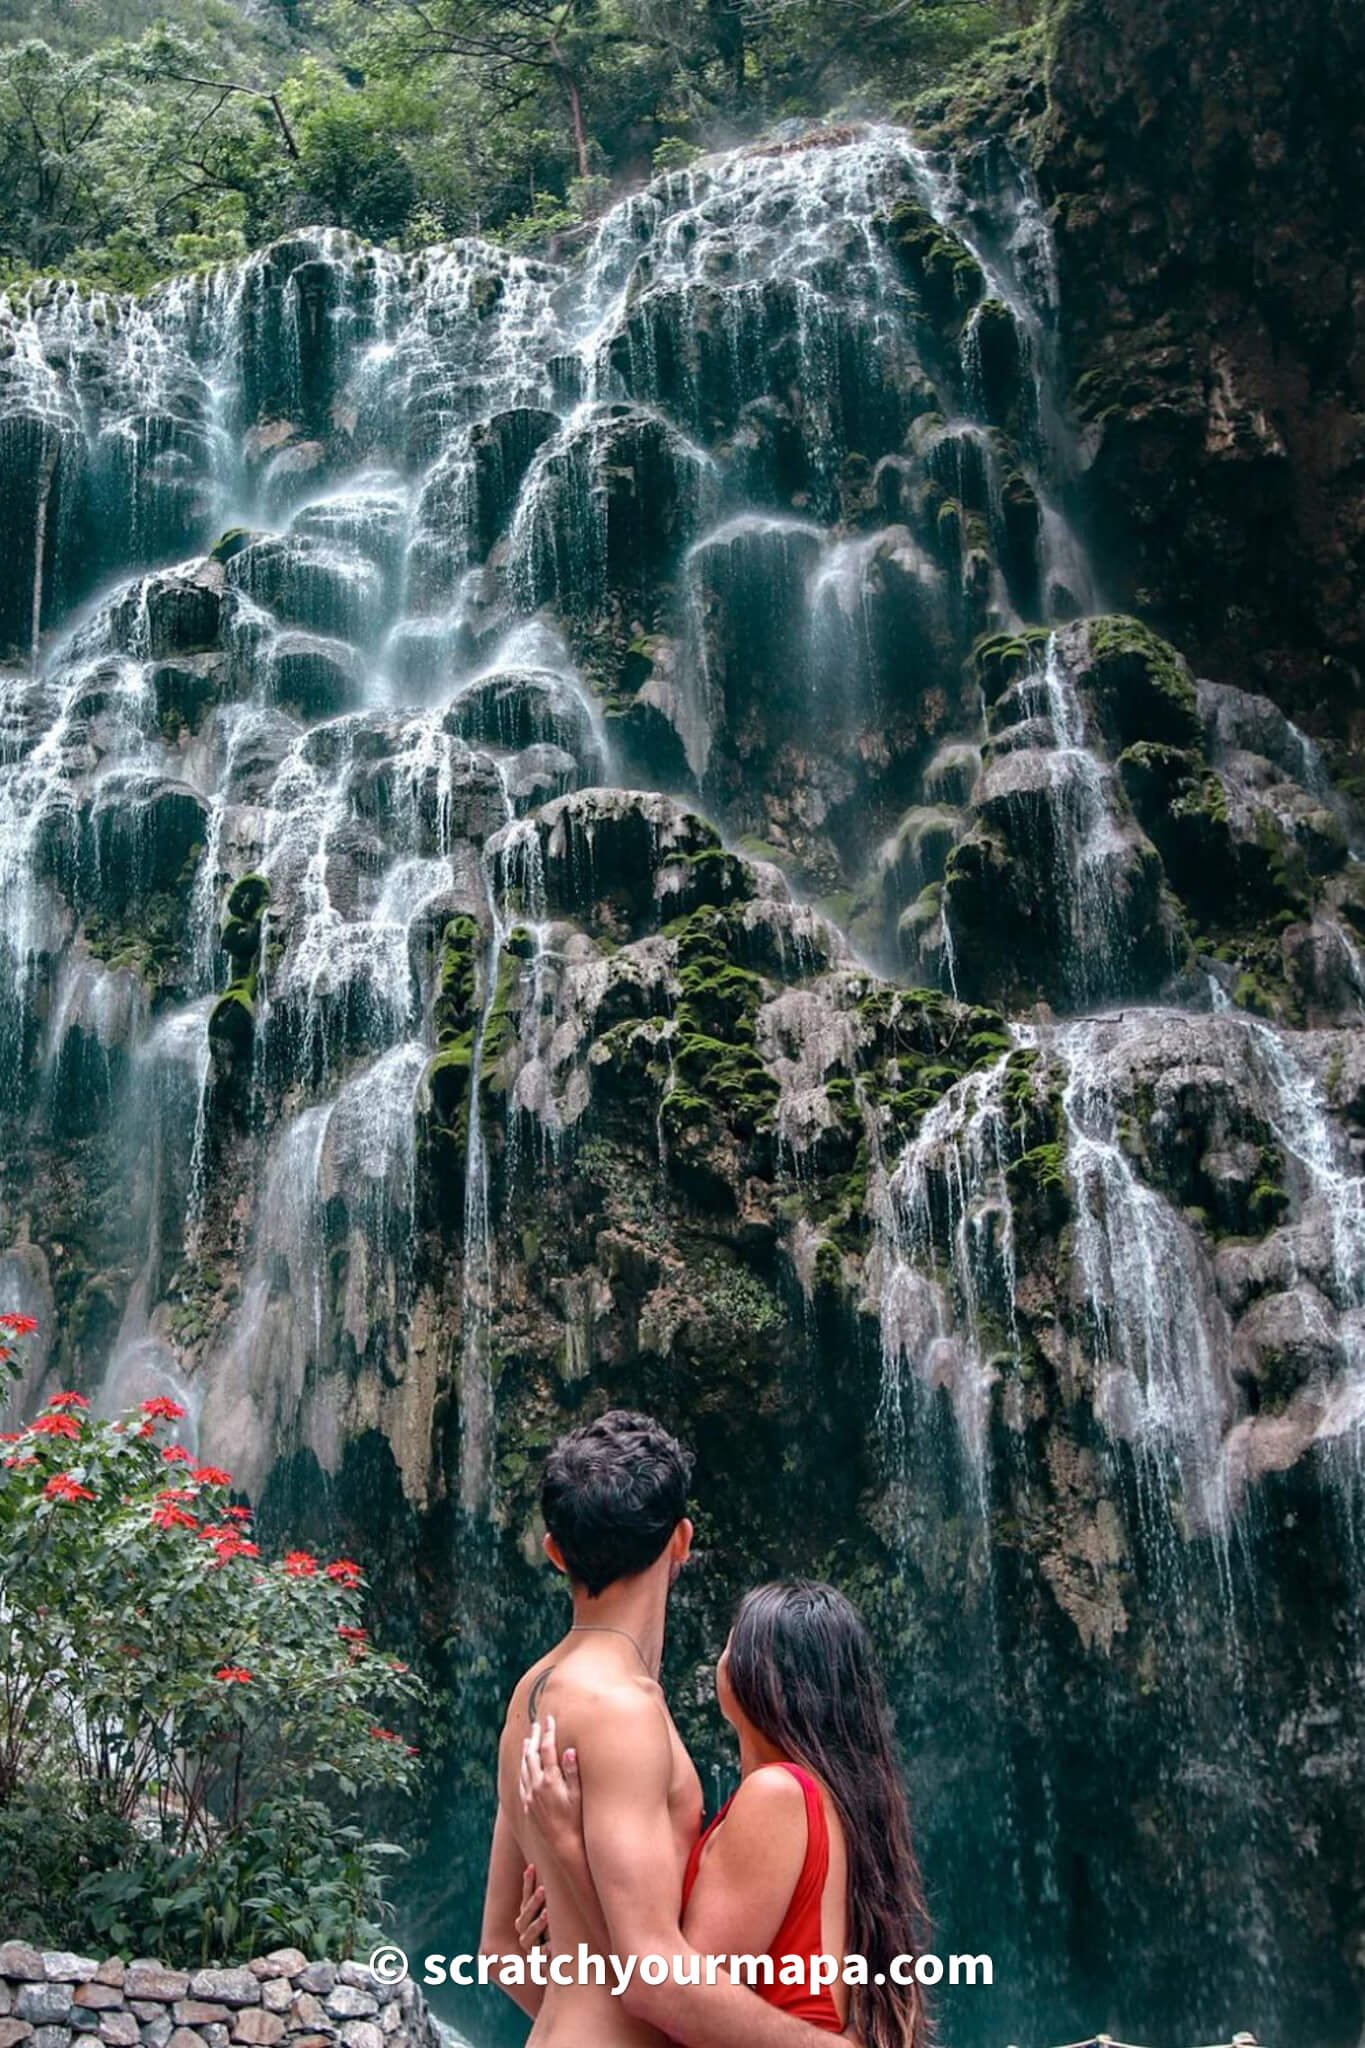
(515, 47)
(53, 113)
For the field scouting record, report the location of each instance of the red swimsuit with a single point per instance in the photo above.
(799, 1934)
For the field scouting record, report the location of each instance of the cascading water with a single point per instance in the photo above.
(371, 612)
(943, 1318)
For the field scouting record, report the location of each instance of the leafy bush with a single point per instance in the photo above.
(184, 1727)
(675, 153)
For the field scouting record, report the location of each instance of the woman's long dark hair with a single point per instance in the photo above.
(803, 1671)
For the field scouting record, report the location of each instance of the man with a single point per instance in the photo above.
(614, 1498)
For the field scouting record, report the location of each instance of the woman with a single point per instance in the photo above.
(813, 1855)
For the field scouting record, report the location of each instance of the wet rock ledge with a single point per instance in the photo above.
(52, 1999)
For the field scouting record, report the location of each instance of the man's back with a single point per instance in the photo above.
(572, 1683)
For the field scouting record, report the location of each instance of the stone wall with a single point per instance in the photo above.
(50, 1999)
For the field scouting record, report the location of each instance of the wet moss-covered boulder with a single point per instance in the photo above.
(501, 451)
(942, 270)
(618, 861)
(525, 708)
(1141, 688)
(1000, 658)
(316, 586)
(145, 838)
(996, 357)
(315, 676)
(233, 1018)
(177, 615)
(455, 1009)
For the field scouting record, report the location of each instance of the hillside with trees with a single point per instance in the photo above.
(134, 146)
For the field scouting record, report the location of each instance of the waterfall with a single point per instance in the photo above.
(947, 1305)
(406, 1067)
(1159, 1337)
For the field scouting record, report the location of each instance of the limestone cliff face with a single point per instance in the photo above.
(1202, 166)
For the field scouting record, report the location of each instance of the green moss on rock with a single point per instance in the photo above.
(232, 1022)
(231, 543)
(248, 898)
(944, 274)
(1000, 657)
(457, 982)
(1142, 688)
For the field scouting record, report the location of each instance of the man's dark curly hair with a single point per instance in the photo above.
(612, 1495)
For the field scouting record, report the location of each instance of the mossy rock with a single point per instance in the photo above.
(730, 1080)
(249, 898)
(240, 941)
(448, 1085)
(1141, 686)
(499, 1031)
(232, 1024)
(711, 877)
(998, 659)
(946, 277)
(1001, 357)
(231, 543)
(457, 987)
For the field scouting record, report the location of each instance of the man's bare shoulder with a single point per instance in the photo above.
(585, 1690)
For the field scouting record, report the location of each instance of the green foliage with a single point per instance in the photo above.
(718, 1067)
(293, 1876)
(159, 1683)
(133, 147)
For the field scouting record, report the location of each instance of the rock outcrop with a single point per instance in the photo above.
(1200, 168)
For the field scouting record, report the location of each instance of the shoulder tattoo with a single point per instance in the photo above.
(533, 1704)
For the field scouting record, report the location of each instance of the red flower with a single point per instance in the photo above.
(20, 1464)
(412, 1751)
(68, 1401)
(345, 1571)
(163, 1409)
(353, 1635)
(19, 1326)
(233, 1674)
(168, 1516)
(176, 1493)
(11, 1436)
(176, 1454)
(212, 1475)
(147, 1429)
(238, 1514)
(56, 1425)
(382, 1735)
(64, 1487)
(228, 1543)
(300, 1564)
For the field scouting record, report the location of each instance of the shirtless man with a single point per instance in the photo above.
(614, 1498)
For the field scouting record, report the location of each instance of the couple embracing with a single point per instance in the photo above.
(598, 1845)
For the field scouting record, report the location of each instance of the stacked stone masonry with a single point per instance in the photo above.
(51, 1999)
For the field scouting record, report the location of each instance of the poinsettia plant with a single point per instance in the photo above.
(154, 1661)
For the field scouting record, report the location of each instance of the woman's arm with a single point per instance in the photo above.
(552, 1801)
(750, 1868)
(631, 1865)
